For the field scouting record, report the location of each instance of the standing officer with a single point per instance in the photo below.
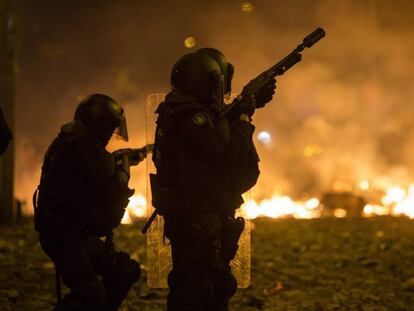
(5, 133)
(205, 160)
(83, 194)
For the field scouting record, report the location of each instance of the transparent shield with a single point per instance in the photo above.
(158, 254)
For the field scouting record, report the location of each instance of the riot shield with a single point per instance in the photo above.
(158, 251)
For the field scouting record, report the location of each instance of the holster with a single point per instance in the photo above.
(162, 196)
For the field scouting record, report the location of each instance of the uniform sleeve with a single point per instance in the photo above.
(105, 188)
(242, 158)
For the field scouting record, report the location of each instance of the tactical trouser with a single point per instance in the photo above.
(81, 258)
(198, 281)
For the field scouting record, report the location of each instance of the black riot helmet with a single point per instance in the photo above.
(226, 68)
(102, 116)
(200, 76)
(5, 134)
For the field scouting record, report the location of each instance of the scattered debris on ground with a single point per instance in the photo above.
(362, 264)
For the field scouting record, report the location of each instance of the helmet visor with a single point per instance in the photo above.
(220, 90)
(122, 130)
(229, 78)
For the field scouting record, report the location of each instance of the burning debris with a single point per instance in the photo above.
(394, 201)
(341, 204)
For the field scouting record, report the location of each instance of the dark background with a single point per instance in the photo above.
(351, 97)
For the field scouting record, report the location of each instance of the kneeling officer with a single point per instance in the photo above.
(82, 196)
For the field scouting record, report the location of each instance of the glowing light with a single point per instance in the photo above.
(189, 42)
(405, 206)
(340, 213)
(368, 209)
(396, 201)
(312, 203)
(137, 208)
(393, 195)
(264, 137)
(251, 209)
(375, 210)
(247, 7)
(281, 206)
(364, 184)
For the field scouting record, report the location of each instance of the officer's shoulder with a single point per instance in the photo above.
(76, 134)
(175, 97)
(182, 105)
(81, 144)
(181, 102)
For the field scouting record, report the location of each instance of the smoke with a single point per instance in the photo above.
(342, 114)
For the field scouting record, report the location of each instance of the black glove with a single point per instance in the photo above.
(265, 94)
(128, 269)
(252, 98)
(247, 104)
(122, 162)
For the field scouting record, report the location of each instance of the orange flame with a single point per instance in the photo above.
(397, 201)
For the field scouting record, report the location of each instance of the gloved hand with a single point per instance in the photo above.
(247, 104)
(128, 269)
(256, 95)
(265, 94)
(122, 162)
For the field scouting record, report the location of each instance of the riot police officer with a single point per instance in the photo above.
(205, 160)
(83, 194)
(5, 133)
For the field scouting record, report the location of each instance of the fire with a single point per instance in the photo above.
(393, 195)
(364, 184)
(340, 213)
(396, 201)
(137, 208)
(281, 206)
